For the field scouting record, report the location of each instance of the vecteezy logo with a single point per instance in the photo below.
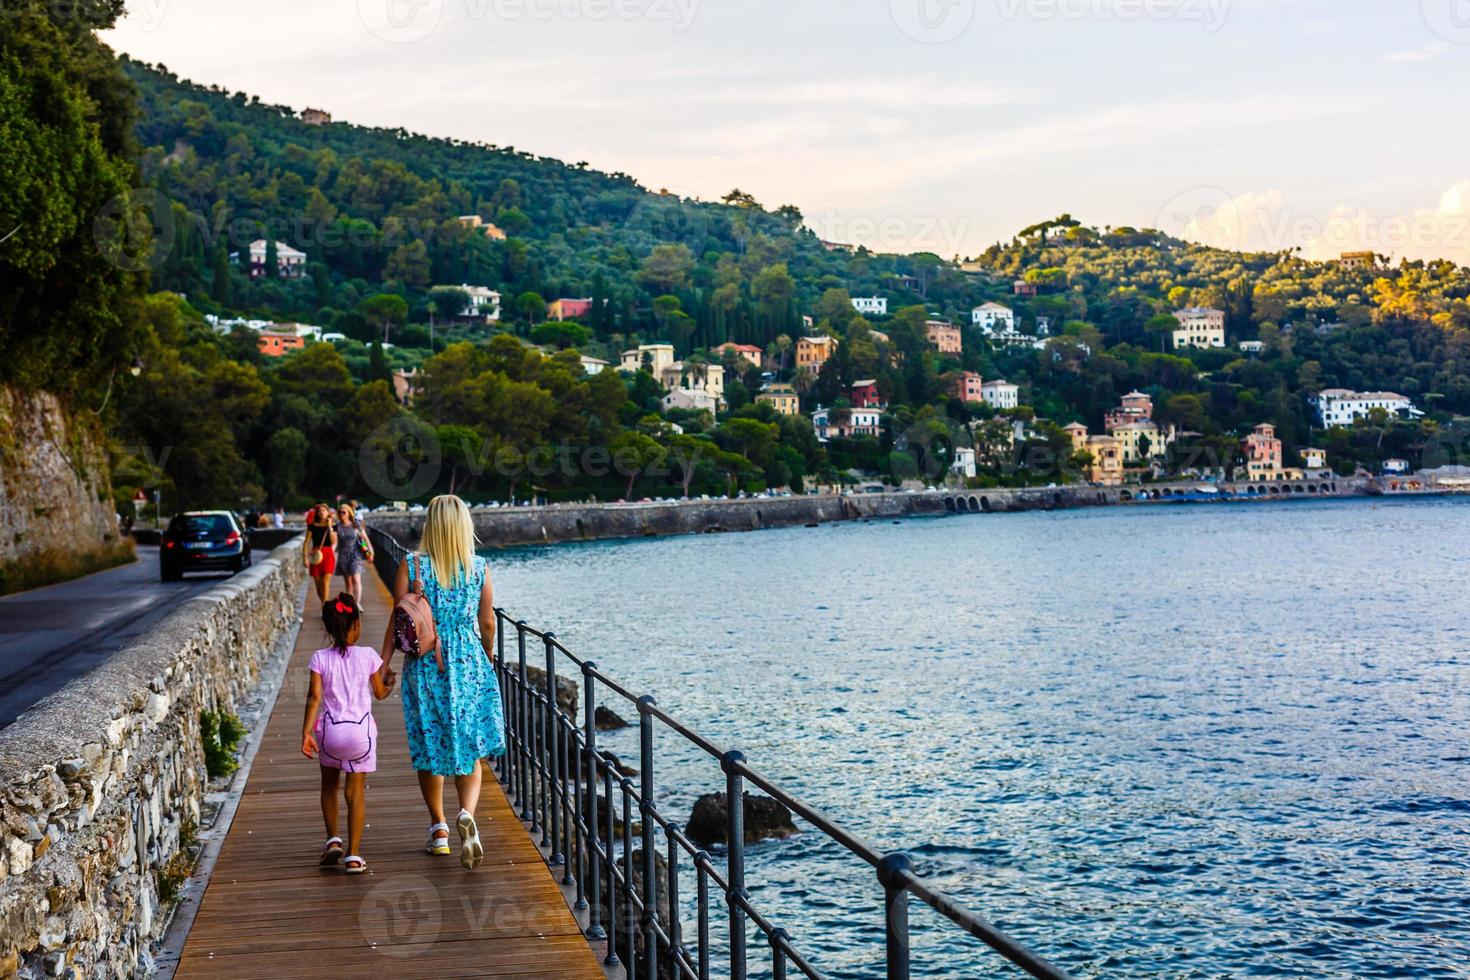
(401, 459)
(1204, 215)
(1450, 19)
(400, 21)
(933, 21)
(400, 916)
(135, 231)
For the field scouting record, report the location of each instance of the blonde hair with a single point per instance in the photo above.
(449, 540)
(351, 511)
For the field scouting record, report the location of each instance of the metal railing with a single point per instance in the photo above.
(553, 770)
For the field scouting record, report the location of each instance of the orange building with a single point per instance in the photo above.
(968, 387)
(273, 343)
(945, 336)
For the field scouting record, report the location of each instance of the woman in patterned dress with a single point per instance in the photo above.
(353, 550)
(453, 713)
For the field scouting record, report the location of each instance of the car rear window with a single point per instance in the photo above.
(205, 523)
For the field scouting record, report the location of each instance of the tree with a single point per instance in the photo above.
(1161, 326)
(633, 454)
(409, 264)
(666, 269)
(739, 199)
(385, 312)
(67, 313)
(285, 453)
(531, 306)
(561, 334)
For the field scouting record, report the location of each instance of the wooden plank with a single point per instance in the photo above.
(268, 907)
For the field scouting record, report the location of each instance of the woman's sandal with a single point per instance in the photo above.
(332, 853)
(471, 853)
(436, 845)
(354, 865)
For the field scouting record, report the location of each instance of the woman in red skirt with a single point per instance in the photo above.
(319, 550)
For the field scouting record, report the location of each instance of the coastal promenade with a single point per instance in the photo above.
(270, 911)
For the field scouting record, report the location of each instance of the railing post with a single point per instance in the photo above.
(650, 867)
(507, 761)
(893, 872)
(702, 903)
(552, 736)
(735, 857)
(611, 865)
(571, 807)
(779, 937)
(523, 794)
(594, 869)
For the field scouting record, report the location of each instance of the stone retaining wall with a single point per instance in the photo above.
(100, 781)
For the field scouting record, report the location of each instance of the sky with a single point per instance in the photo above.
(903, 125)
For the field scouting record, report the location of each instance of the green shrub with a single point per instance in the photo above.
(221, 733)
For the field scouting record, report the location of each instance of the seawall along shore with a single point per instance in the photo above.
(513, 526)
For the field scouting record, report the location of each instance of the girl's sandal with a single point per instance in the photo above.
(332, 853)
(436, 845)
(354, 865)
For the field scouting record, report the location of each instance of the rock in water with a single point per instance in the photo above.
(765, 819)
(608, 720)
(566, 689)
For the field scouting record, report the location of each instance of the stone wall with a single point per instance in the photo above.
(54, 486)
(99, 781)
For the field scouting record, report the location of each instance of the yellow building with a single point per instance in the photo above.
(813, 352)
(781, 397)
(1131, 436)
(1106, 468)
(661, 356)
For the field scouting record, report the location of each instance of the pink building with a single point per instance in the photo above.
(1135, 407)
(968, 387)
(568, 309)
(1263, 453)
(865, 394)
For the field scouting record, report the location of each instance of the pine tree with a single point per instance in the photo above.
(378, 364)
(220, 288)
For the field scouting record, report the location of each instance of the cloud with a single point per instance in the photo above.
(1426, 52)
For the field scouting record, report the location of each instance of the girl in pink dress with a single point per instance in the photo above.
(339, 729)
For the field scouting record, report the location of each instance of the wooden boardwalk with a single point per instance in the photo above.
(269, 911)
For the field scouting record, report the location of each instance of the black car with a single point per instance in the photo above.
(203, 541)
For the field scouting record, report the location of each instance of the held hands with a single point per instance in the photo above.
(389, 678)
(308, 746)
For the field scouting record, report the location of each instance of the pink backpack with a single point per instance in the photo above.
(413, 621)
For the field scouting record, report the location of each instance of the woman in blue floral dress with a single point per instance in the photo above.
(452, 712)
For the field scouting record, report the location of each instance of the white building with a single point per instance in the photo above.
(1001, 394)
(1252, 347)
(964, 463)
(593, 365)
(872, 305)
(1199, 327)
(1043, 326)
(994, 318)
(290, 262)
(1339, 406)
(482, 302)
(861, 422)
(694, 399)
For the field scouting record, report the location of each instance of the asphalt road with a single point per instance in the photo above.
(52, 635)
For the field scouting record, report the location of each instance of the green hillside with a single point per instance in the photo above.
(377, 213)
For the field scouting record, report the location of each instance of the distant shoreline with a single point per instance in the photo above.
(507, 527)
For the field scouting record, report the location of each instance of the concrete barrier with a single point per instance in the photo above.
(101, 783)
